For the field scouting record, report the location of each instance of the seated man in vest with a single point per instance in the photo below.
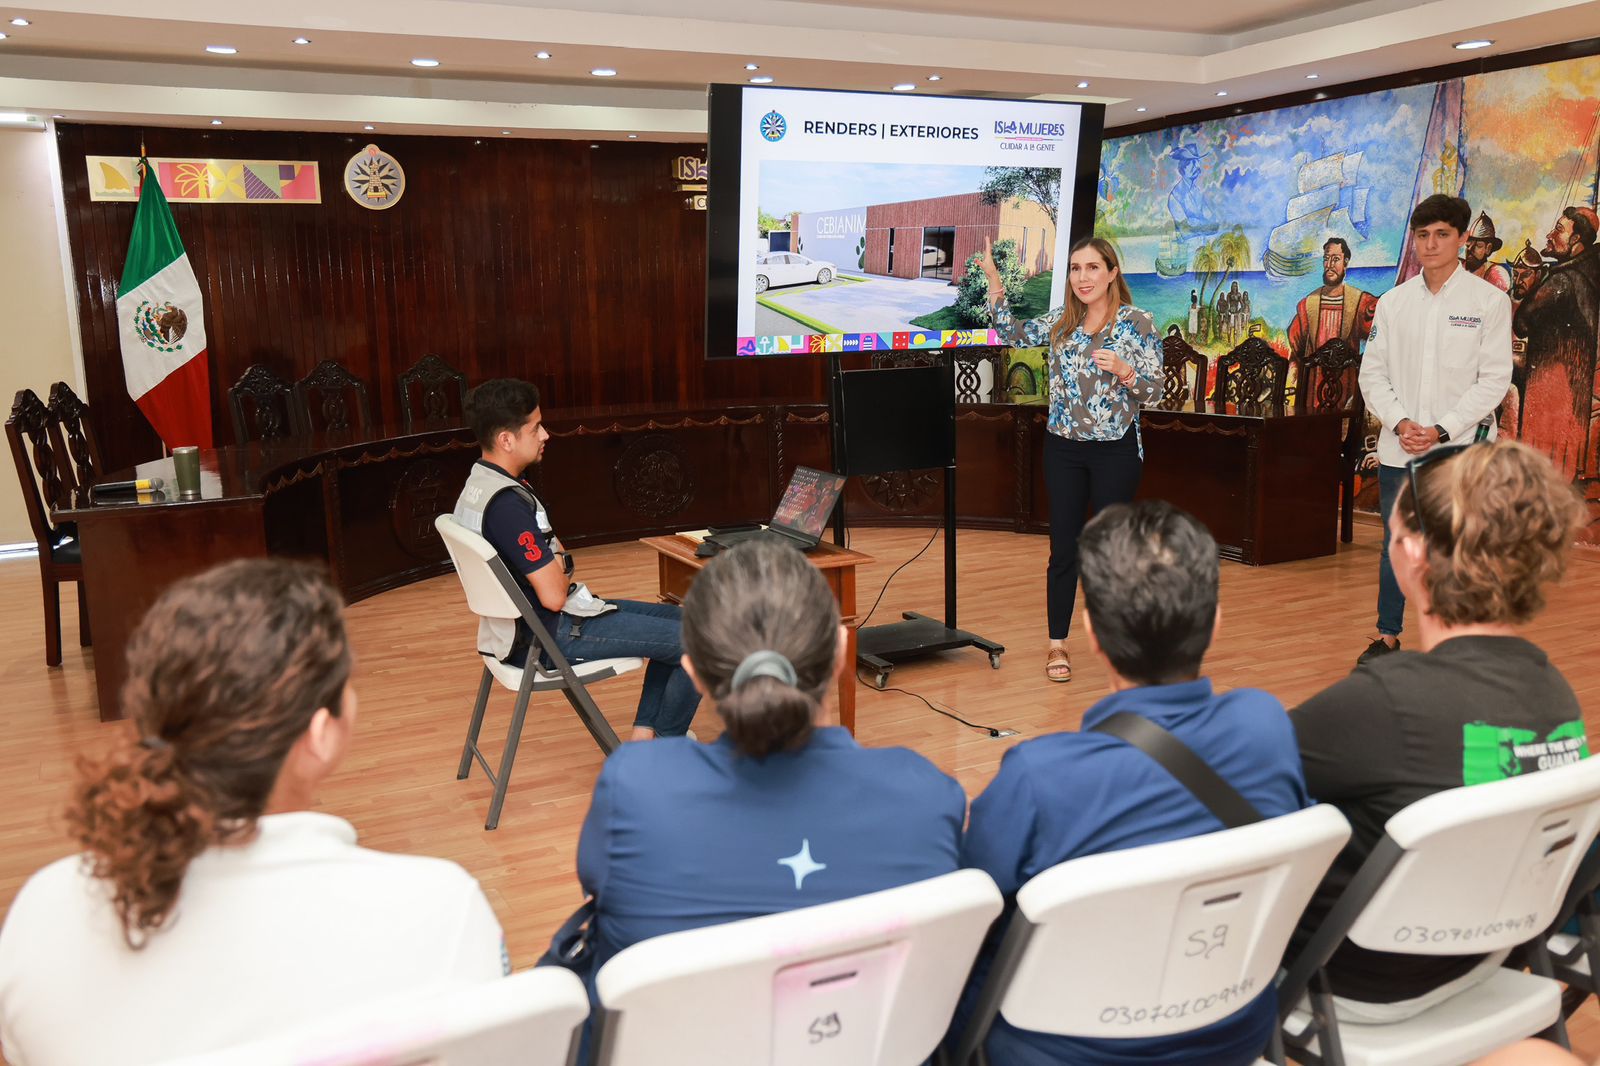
(498, 504)
(1149, 575)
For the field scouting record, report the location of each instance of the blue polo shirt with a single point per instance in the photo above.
(682, 835)
(1071, 794)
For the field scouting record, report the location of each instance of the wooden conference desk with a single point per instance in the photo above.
(678, 566)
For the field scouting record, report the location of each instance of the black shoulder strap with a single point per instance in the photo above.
(1179, 760)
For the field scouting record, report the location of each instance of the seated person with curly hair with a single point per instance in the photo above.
(210, 906)
(1477, 532)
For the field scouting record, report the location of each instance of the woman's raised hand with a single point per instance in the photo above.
(986, 263)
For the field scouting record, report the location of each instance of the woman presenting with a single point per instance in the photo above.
(1104, 361)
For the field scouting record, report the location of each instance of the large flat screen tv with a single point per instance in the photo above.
(845, 221)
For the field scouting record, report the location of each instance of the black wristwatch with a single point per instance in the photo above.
(1444, 434)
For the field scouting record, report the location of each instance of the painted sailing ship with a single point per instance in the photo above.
(1330, 202)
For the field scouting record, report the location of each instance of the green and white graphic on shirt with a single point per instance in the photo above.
(1494, 753)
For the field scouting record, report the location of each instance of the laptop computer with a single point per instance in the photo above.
(801, 515)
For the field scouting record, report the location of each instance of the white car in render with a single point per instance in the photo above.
(790, 268)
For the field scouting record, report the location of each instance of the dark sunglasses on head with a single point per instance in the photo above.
(1443, 451)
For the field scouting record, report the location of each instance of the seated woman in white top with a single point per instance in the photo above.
(210, 906)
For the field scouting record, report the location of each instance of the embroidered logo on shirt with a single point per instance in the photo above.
(1466, 321)
(529, 541)
(802, 864)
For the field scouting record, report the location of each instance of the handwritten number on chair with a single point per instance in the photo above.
(825, 1028)
(1202, 945)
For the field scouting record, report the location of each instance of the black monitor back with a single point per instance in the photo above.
(895, 418)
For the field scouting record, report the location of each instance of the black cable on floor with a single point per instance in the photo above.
(993, 731)
(936, 531)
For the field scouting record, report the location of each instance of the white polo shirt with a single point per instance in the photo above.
(1438, 358)
(290, 928)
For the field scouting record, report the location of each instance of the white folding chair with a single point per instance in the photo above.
(869, 981)
(528, 1019)
(1155, 940)
(492, 592)
(1470, 871)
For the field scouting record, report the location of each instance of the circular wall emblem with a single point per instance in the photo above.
(773, 127)
(652, 477)
(160, 326)
(374, 179)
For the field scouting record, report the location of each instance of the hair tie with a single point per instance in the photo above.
(153, 743)
(764, 663)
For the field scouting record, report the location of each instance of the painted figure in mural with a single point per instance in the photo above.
(1194, 312)
(1334, 310)
(1481, 244)
(1437, 364)
(1527, 271)
(1186, 203)
(1558, 316)
(1231, 305)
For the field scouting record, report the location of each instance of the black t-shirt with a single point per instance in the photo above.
(1407, 725)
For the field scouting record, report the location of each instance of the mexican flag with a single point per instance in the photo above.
(162, 323)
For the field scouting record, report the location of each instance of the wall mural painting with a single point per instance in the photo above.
(1289, 224)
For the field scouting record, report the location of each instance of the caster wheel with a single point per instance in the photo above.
(994, 660)
(882, 681)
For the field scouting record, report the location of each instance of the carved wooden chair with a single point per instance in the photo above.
(262, 405)
(1251, 380)
(433, 395)
(1328, 383)
(73, 436)
(330, 399)
(1180, 361)
(46, 486)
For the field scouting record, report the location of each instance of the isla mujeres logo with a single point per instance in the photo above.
(1013, 128)
(773, 127)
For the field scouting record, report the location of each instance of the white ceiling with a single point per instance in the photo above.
(93, 60)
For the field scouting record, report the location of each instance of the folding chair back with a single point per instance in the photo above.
(471, 554)
(528, 1019)
(869, 981)
(1483, 867)
(1164, 938)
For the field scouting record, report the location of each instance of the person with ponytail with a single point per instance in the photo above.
(209, 905)
(782, 811)
(1104, 363)
(1477, 532)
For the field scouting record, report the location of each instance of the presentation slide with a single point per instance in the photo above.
(845, 221)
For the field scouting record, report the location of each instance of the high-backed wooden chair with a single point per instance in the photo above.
(262, 405)
(433, 395)
(1251, 380)
(330, 399)
(45, 488)
(74, 436)
(1179, 361)
(1328, 384)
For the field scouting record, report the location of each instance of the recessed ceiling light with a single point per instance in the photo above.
(424, 62)
(1467, 46)
(1222, 92)
(935, 77)
(369, 128)
(301, 40)
(2, 36)
(541, 55)
(603, 72)
(761, 79)
(505, 133)
(904, 87)
(1141, 109)
(594, 146)
(216, 122)
(1083, 85)
(1312, 77)
(752, 66)
(20, 22)
(633, 136)
(222, 49)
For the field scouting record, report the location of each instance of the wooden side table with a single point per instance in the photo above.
(678, 565)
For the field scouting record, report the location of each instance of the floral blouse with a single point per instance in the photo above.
(1087, 403)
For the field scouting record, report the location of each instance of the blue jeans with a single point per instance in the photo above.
(649, 631)
(1391, 601)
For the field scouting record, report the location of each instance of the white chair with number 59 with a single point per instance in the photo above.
(869, 981)
(1156, 940)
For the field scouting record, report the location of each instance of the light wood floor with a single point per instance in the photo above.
(1291, 629)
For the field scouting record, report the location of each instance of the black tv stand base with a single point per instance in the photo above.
(879, 648)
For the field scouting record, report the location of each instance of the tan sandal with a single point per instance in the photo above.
(1057, 667)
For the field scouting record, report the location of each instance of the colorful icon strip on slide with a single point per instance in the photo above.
(867, 342)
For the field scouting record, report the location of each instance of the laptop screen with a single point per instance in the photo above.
(808, 502)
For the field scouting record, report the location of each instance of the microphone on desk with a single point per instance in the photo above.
(145, 484)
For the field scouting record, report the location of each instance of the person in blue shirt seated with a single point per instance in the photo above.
(500, 505)
(1149, 573)
(783, 810)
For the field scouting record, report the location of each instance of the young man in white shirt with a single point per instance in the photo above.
(1437, 363)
